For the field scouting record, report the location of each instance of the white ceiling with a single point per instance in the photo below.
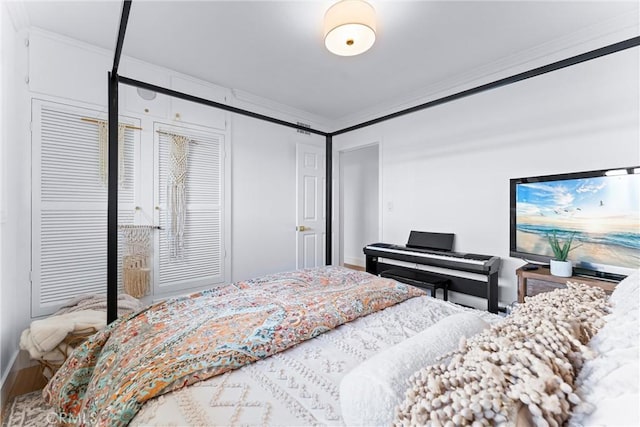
(274, 49)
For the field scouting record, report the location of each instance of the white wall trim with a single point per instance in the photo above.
(7, 380)
(354, 261)
(19, 361)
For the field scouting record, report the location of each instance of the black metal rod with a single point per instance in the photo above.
(597, 53)
(112, 203)
(187, 97)
(114, 79)
(124, 19)
(328, 198)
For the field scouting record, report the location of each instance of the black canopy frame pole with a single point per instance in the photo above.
(112, 182)
(174, 93)
(115, 80)
(328, 215)
(112, 202)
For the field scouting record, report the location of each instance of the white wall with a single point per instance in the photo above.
(264, 196)
(358, 201)
(14, 199)
(447, 169)
(6, 37)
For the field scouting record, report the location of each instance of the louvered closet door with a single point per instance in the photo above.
(203, 261)
(69, 205)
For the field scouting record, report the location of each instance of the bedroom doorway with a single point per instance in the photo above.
(359, 203)
(310, 207)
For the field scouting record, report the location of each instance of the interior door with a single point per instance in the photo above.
(310, 212)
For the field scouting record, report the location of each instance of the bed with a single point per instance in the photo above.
(342, 355)
(122, 375)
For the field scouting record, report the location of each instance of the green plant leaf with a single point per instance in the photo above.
(560, 249)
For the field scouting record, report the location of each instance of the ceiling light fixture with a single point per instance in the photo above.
(350, 27)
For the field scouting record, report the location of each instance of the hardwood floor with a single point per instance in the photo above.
(27, 380)
(354, 267)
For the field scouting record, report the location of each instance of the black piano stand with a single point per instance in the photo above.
(420, 280)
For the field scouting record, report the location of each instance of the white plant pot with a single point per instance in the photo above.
(561, 268)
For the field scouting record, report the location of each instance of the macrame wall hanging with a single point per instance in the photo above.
(103, 132)
(177, 195)
(136, 272)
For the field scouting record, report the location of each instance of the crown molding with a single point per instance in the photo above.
(18, 14)
(234, 97)
(267, 106)
(607, 32)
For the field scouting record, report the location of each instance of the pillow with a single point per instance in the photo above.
(371, 391)
(625, 295)
(524, 366)
(608, 383)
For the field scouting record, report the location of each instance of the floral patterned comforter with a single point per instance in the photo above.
(184, 340)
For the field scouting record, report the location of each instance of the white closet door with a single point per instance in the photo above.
(69, 205)
(203, 262)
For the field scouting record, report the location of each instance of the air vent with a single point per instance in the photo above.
(306, 125)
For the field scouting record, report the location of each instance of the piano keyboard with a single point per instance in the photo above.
(429, 255)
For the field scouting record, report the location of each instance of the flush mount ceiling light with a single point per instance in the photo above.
(350, 27)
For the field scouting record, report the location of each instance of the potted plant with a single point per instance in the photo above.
(559, 265)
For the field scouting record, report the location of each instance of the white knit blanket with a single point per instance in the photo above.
(299, 386)
(44, 335)
(126, 304)
(77, 315)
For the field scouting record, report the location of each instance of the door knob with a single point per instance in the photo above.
(302, 228)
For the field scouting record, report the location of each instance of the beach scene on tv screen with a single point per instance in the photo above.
(603, 214)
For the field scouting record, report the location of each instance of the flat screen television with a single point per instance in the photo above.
(601, 209)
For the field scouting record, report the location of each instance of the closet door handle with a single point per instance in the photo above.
(302, 228)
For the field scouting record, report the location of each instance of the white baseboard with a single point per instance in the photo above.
(8, 379)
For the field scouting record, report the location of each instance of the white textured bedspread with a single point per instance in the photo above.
(299, 386)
